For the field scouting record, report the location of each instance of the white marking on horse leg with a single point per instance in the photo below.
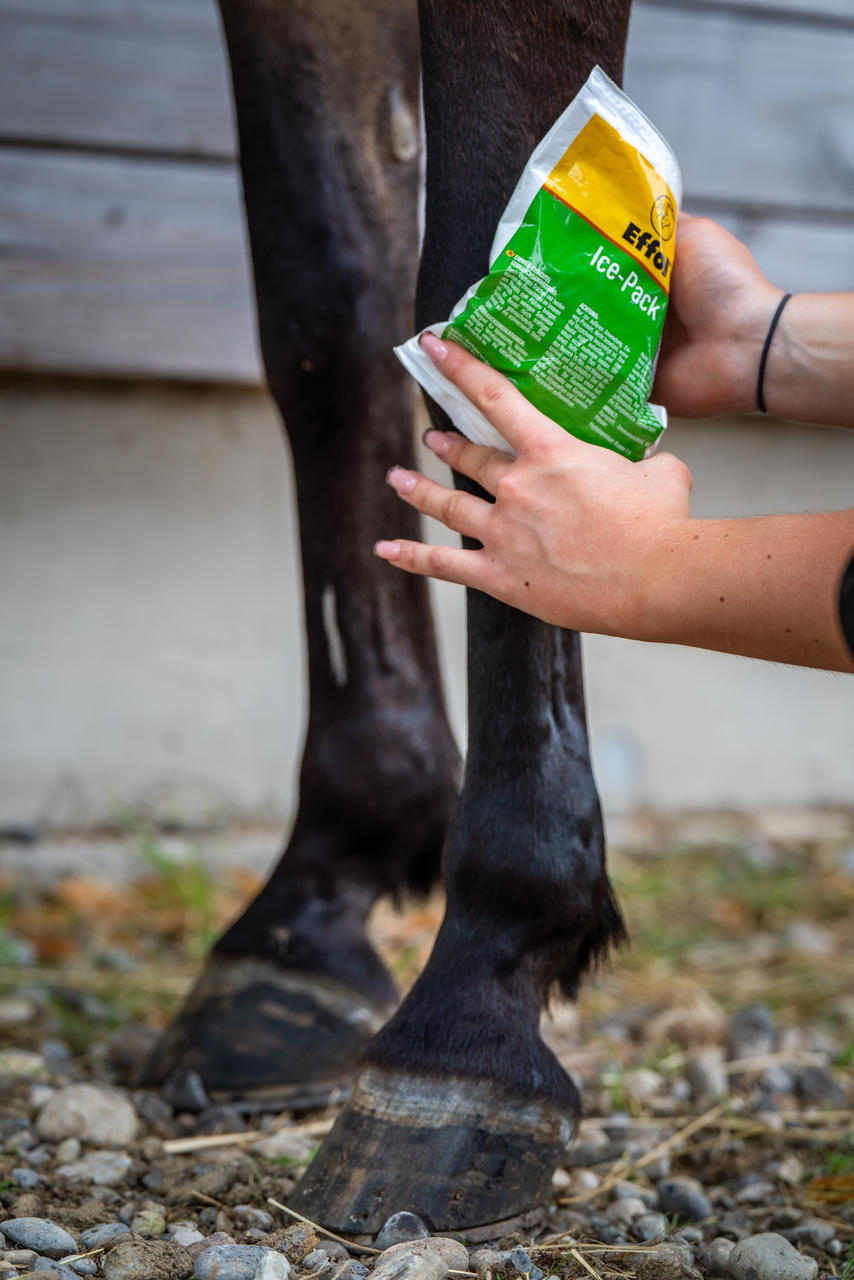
(404, 130)
(334, 642)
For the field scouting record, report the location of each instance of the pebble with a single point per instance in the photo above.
(283, 1142)
(84, 1267)
(246, 1216)
(626, 1209)
(716, 1255)
(634, 1191)
(752, 1032)
(813, 1231)
(685, 1198)
(670, 1262)
(20, 1064)
(26, 1178)
(93, 1114)
(770, 1257)
(101, 1233)
(40, 1234)
(755, 1193)
(228, 1262)
(106, 1168)
(317, 1261)
(149, 1223)
(453, 1253)
(186, 1235)
(399, 1228)
(69, 1149)
(136, 1259)
(274, 1266)
(649, 1226)
(706, 1077)
(15, 1010)
(211, 1242)
(54, 1268)
(23, 1258)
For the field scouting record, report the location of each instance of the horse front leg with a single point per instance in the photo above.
(327, 108)
(461, 1112)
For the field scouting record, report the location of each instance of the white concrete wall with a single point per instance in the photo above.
(151, 641)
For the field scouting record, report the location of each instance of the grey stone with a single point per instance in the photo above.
(186, 1235)
(108, 1168)
(55, 1268)
(634, 1191)
(229, 1262)
(84, 1267)
(273, 1266)
(813, 1231)
(247, 1216)
(23, 1258)
(20, 1064)
(684, 1198)
(452, 1252)
(752, 1032)
(755, 1192)
(519, 1260)
(769, 1257)
(149, 1223)
(706, 1077)
(649, 1226)
(716, 1255)
(317, 1261)
(100, 1234)
(26, 1178)
(400, 1228)
(69, 1149)
(815, 1085)
(40, 1234)
(90, 1113)
(626, 1209)
(137, 1259)
(670, 1262)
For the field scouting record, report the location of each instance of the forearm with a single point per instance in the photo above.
(763, 587)
(809, 375)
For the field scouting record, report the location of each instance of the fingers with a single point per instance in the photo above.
(462, 512)
(450, 564)
(506, 408)
(476, 461)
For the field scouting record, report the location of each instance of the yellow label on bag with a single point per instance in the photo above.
(610, 184)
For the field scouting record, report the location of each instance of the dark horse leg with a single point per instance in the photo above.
(461, 1112)
(327, 108)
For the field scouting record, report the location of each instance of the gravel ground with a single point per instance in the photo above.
(719, 1141)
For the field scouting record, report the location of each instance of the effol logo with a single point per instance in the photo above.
(663, 216)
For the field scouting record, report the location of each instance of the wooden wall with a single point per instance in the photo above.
(122, 248)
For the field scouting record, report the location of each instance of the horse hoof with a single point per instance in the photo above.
(457, 1152)
(256, 1034)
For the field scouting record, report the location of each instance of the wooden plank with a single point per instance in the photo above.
(757, 110)
(112, 266)
(794, 253)
(124, 267)
(175, 15)
(836, 11)
(158, 87)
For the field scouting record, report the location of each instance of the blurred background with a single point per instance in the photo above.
(151, 650)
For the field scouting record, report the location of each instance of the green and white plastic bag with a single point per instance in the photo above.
(573, 306)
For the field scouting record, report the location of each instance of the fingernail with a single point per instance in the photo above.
(438, 441)
(387, 550)
(435, 349)
(401, 480)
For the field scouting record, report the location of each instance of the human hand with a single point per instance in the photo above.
(577, 535)
(720, 308)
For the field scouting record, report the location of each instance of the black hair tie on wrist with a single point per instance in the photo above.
(760, 399)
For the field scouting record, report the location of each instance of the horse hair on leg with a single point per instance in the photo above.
(461, 1112)
(327, 109)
